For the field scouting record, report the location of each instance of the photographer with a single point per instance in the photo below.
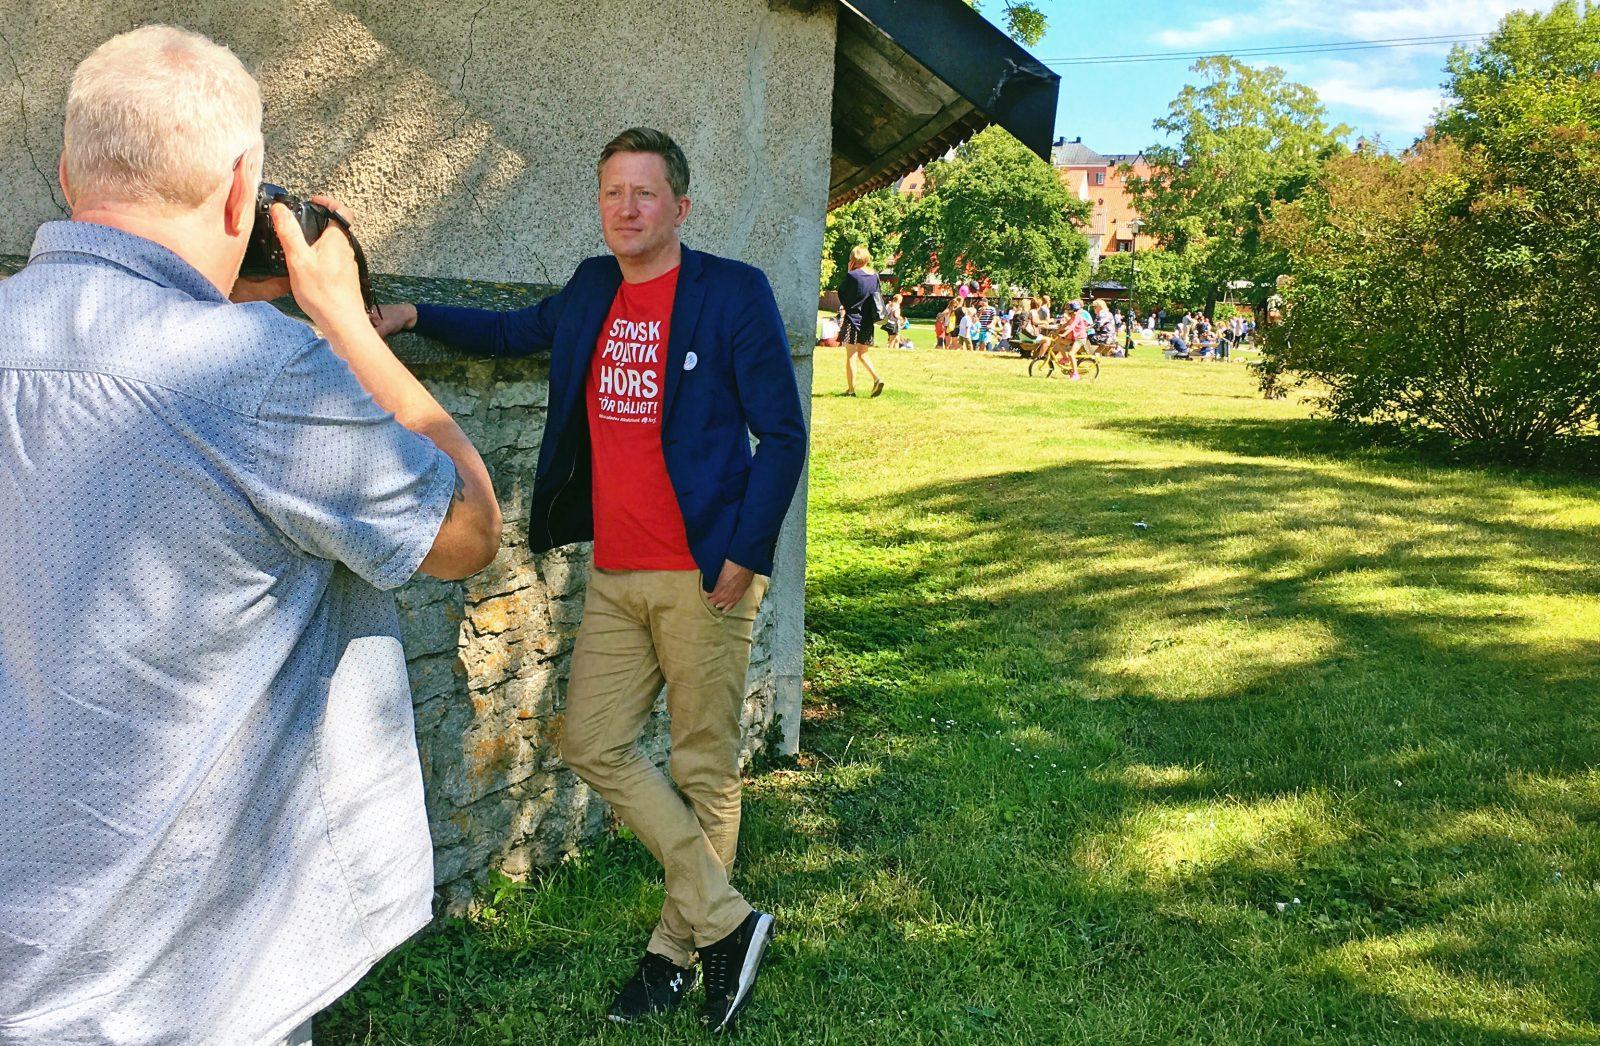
(211, 817)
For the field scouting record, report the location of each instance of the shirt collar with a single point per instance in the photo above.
(135, 253)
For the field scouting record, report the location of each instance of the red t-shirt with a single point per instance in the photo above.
(637, 522)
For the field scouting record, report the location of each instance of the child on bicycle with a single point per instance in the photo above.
(1075, 332)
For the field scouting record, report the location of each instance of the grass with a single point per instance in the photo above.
(1312, 757)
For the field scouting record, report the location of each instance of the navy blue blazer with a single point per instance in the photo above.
(728, 375)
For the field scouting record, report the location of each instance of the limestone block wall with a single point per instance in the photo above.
(463, 134)
(488, 659)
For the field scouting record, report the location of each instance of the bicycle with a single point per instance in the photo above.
(1051, 352)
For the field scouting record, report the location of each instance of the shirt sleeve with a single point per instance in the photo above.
(340, 477)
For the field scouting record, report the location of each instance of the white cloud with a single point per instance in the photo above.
(1318, 21)
(1388, 19)
(1202, 35)
(1391, 91)
(1376, 92)
(1397, 108)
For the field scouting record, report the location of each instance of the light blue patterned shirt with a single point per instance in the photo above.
(211, 818)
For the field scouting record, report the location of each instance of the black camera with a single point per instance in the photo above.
(263, 256)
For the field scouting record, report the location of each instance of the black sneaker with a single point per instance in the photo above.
(731, 966)
(656, 986)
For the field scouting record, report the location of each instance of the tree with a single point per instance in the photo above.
(1025, 23)
(1165, 278)
(1247, 140)
(998, 210)
(1449, 291)
(872, 221)
(1456, 288)
(1533, 75)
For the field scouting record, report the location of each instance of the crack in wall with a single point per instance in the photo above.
(474, 196)
(472, 29)
(752, 130)
(27, 144)
(465, 114)
(517, 240)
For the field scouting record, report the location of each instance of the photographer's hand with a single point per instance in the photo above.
(323, 276)
(327, 286)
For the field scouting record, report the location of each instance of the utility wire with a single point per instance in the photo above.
(1245, 52)
(1288, 49)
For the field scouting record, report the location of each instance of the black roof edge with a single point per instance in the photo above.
(988, 69)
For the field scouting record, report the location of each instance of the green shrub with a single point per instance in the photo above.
(1455, 289)
(1433, 293)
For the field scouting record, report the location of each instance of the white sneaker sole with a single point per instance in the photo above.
(747, 973)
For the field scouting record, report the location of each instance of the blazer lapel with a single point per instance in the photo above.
(687, 301)
(595, 309)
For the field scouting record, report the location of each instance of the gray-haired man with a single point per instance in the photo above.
(211, 818)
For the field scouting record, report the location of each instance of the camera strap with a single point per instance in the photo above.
(367, 297)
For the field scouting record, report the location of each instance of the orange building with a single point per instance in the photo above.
(1100, 181)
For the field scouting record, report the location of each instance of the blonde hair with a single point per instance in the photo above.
(650, 140)
(860, 257)
(160, 115)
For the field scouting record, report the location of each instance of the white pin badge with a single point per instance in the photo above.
(689, 361)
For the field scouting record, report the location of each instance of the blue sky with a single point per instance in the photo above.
(1387, 92)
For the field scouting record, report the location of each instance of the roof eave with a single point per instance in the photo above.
(1001, 80)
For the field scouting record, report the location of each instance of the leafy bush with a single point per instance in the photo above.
(1165, 278)
(1456, 288)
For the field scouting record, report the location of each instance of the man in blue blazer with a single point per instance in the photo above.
(663, 362)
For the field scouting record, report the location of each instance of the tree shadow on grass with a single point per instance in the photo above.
(1412, 758)
(1077, 767)
(1320, 439)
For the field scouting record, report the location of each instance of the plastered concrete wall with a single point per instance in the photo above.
(463, 135)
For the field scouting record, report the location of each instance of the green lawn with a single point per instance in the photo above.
(1310, 757)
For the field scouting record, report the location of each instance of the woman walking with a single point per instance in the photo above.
(894, 323)
(859, 295)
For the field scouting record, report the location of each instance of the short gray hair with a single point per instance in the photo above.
(159, 115)
(649, 140)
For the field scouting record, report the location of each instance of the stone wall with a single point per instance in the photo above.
(489, 656)
(463, 134)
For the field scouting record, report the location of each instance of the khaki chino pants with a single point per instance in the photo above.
(642, 628)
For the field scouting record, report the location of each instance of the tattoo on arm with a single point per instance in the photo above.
(458, 497)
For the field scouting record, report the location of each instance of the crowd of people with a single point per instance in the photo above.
(979, 325)
(977, 320)
(1195, 336)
